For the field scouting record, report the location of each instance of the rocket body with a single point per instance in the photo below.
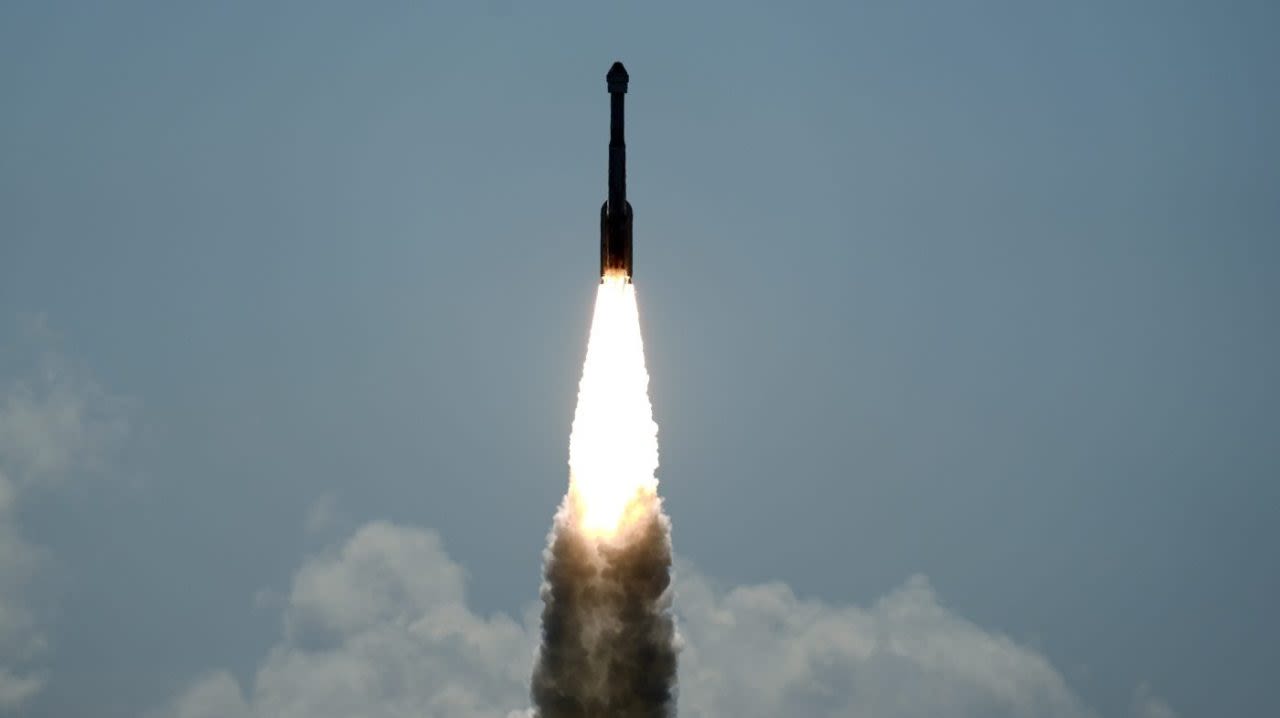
(615, 215)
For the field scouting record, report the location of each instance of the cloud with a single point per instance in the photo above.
(380, 627)
(760, 650)
(1146, 705)
(56, 425)
(216, 695)
(56, 422)
(16, 690)
(322, 515)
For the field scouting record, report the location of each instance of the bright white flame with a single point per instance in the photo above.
(613, 448)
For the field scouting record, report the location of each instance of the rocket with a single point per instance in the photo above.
(615, 215)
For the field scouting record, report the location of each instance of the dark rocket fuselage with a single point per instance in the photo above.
(615, 215)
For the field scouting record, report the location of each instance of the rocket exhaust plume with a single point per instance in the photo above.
(608, 637)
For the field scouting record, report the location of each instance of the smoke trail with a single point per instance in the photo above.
(608, 638)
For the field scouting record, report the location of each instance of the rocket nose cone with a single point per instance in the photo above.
(617, 78)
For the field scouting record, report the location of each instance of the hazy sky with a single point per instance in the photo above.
(961, 320)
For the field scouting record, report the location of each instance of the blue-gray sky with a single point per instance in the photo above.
(984, 292)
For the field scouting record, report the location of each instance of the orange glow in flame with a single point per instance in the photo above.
(613, 448)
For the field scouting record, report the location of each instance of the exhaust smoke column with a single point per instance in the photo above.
(608, 638)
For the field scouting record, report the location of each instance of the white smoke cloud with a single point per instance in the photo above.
(380, 627)
(56, 424)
